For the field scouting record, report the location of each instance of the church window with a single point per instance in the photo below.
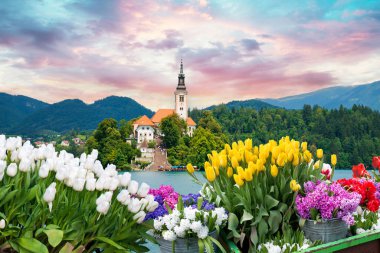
(181, 98)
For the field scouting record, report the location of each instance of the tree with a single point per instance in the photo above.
(207, 121)
(172, 128)
(109, 139)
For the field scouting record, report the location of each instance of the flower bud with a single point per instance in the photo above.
(2, 224)
(90, 184)
(12, 170)
(124, 179)
(124, 197)
(134, 205)
(143, 190)
(44, 171)
(103, 207)
(133, 187)
(139, 217)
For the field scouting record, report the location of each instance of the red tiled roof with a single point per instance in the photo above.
(144, 121)
(190, 122)
(162, 113)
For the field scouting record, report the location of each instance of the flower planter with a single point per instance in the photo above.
(189, 245)
(325, 231)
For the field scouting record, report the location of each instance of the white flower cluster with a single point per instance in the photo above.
(190, 222)
(81, 173)
(375, 226)
(286, 247)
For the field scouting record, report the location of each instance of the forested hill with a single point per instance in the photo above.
(75, 114)
(332, 98)
(251, 103)
(15, 108)
(353, 134)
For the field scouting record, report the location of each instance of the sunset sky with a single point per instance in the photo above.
(232, 50)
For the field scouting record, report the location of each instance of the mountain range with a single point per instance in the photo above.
(28, 116)
(330, 98)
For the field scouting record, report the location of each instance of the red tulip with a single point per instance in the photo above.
(360, 171)
(376, 162)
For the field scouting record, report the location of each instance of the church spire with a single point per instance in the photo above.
(181, 78)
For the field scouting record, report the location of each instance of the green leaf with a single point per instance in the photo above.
(313, 213)
(180, 203)
(110, 242)
(282, 207)
(233, 221)
(274, 220)
(270, 202)
(33, 245)
(254, 238)
(201, 246)
(55, 236)
(246, 217)
(262, 229)
(217, 243)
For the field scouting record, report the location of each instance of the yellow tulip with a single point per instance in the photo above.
(215, 161)
(248, 175)
(210, 173)
(281, 159)
(290, 155)
(234, 162)
(247, 156)
(333, 160)
(294, 186)
(260, 165)
(241, 172)
(256, 150)
(248, 144)
(230, 171)
(241, 144)
(304, 146)
(319, 153)
(274, 170)
(207, 164)
(238, 180)
(227, 148)
(190, 168)
(275, 152)
(296, 144)
(307, 156)
(316, 164)
(296, 159)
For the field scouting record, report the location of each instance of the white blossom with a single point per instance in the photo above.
(124, 197)
(134, 205)
(49, 195)
(90, 184)
(44, 171)
(2, 224)
(133, 187)
(12, 170)
(143, 190)
(139, 217)
(196, 226)
(124, 179)
(190, 213)
(203, 232)
(180, 231)
(169, 235)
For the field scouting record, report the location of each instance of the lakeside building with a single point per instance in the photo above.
(145, 128)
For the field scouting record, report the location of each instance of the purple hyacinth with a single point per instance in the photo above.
(329, 200)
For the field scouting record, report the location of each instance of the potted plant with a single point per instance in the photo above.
(189, 228)
(326, 210)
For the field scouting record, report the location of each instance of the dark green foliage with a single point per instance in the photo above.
(352, 134)
(172, 128)
(112, 147)
(251, 103)
(74, 114)
(15, 108)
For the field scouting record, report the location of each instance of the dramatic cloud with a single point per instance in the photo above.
(90, 49)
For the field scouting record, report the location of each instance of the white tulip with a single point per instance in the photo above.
(14, 156)
(90, 175)
(83, 158)
(108, 196)
(103, 207)
(110, 170)
(90, 184)
(89, 164)
(124, 179)
(1, 175)
(100, 184)
(44, 171)
(2, 224)
(82, 173)
(49, 194)
(114, 184)
(134, 205)
(3, 153)
(139, 217)
(124, 197)
(79, 184)
(3, 141)
(12, 170)
(24, 165)
(94, 154)
(143, 190)
(107, 183)
(3, 165)
(152, 205)
(11, 143)
(133, 187)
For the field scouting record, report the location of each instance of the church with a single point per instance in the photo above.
(145, 128)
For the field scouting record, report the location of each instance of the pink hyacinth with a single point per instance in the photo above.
(167, 193)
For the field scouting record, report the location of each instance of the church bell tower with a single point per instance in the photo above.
(181, 95)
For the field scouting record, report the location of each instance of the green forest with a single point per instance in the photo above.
(353, 134)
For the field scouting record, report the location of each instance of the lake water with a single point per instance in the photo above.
(183, 184)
